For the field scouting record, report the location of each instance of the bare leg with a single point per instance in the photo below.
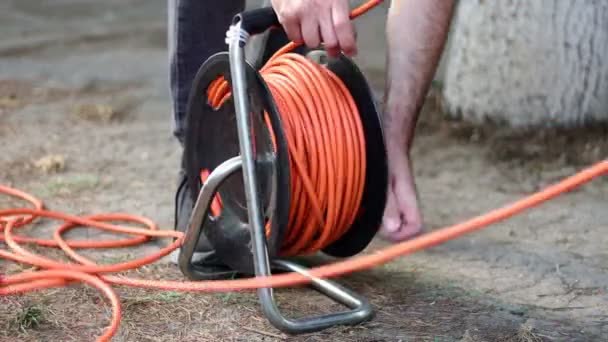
(416, 33)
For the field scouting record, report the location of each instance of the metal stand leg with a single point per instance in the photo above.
(360, 311)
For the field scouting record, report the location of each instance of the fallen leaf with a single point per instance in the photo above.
(51, 163)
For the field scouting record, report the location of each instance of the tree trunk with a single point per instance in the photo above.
(529, 63)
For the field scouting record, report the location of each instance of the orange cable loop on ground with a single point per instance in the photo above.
(61, 274)
(298, 86)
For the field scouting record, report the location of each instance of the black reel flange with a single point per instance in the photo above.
(211, 139)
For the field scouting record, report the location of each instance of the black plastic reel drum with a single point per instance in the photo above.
(211, 139)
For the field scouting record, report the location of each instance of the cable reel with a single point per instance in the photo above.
(242, 144)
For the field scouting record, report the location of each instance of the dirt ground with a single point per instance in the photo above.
(85, 125)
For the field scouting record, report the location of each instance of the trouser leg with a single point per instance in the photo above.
(197, 30)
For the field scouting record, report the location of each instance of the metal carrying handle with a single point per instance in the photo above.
(257, 21)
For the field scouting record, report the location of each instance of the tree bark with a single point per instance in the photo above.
(529, 63)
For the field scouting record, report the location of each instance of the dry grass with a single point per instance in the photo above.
(15, 94)
(67, 185)
(113, 110)
(578, 146)
(411, 312)
(525, 334)
(52, 163)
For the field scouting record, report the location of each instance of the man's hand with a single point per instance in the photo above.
(318, 21)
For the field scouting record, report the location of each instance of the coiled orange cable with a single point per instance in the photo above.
(326, 149)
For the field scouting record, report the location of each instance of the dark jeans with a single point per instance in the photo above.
(197, 29)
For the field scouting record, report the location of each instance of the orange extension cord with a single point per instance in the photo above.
(325, 142)
(326, 150)
(283, 66)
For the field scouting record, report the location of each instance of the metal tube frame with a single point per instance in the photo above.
(360, 308)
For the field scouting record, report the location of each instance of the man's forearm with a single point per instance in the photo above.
(416, 34)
